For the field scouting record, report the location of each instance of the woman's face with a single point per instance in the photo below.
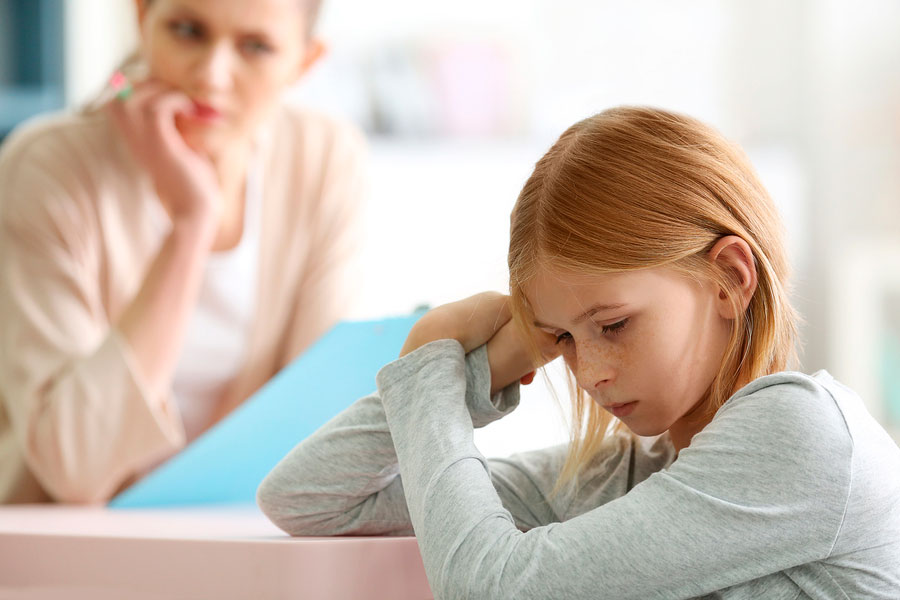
(646, 345)
(233, 58)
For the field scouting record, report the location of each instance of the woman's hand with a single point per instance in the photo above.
(185, 180)
(485, 319)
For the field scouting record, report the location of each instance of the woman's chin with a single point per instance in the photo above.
(202, 138)
(204, 141)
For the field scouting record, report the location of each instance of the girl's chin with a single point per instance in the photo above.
(645, 429)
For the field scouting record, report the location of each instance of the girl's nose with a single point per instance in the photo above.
(594, 369)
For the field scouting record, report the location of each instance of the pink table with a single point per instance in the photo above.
(219, 553)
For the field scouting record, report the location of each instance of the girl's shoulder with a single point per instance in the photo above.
(819, 438)
(817, 399)
(815, 414)
(794, 401)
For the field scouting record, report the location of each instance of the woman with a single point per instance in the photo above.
(645, 251)
(166, 254)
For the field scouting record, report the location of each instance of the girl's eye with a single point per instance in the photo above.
(257, 47)
(185, 29)
(615, 328)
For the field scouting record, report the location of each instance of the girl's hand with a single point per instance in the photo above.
(185, 180)
(511, 358)
(471, 322)
(479, 319)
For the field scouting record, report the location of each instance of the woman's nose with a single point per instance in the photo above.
(594, 367)
(213, 68)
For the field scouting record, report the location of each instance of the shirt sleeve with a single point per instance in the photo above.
(761, 489)
(78, 407)
(344, 478)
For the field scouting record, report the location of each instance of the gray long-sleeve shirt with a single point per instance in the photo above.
(792, 491)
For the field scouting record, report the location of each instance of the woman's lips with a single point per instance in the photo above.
(622, 409)
(205, 112)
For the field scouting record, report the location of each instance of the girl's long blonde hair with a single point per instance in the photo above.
(634, 188)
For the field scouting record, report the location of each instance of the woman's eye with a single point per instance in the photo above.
(563, 337)
(615, 328)
(257, 47)
(185, 29)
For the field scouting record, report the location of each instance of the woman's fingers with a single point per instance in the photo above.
(147, 117)
(184, 179)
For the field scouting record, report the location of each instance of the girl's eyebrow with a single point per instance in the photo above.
(586, 314)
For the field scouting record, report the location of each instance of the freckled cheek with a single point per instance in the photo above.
(595, 361)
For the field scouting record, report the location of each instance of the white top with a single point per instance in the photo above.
(217, 334)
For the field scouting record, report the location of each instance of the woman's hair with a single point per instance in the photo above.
(634, 188)
(310, 7)
(134, 67)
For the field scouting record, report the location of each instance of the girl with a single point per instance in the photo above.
(645, 251)
(164, 256)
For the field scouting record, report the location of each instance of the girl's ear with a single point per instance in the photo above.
(733, 256)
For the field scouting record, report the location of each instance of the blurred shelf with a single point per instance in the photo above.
(22, 102)
(31, 59)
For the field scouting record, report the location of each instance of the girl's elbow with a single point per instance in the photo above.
(281, 507)
(300, 514)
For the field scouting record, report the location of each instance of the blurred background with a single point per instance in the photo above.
(459, 99)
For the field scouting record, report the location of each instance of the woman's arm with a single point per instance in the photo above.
(87, 398)
(84, 415)
(187, 186)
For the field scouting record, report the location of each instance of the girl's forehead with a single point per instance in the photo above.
(552, 290)
(555, 290)
(555, 278)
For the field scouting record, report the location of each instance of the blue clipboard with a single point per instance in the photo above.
(226, 464)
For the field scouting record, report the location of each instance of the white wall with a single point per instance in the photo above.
(99, 34)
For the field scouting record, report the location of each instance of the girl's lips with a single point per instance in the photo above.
(621, 410)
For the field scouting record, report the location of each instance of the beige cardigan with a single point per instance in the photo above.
(76, 237)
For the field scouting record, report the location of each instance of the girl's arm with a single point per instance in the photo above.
(344, 479)
(734, 507)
